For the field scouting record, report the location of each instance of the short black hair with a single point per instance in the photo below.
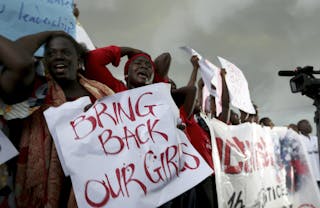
(80, 49)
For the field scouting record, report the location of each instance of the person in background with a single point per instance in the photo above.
(266, 121)
(252, 118)
(234, 118)
(210, 105)
(311, 144)
(294, 127)
(199, 136)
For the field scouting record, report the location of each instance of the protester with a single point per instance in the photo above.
(294, 127)
(205, 194)
(139, 71)
(210, 107)
(266, 121)
(199, 138)
(311, 144)
(39, 178)
(96, 61)
(18, 70)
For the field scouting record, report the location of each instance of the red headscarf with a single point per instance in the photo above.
(126, 66)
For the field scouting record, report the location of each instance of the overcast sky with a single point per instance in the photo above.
(260, 37)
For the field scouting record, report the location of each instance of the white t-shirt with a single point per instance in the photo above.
(311, 145)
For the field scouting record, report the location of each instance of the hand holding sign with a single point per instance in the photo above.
(207, 69)
(237, 87)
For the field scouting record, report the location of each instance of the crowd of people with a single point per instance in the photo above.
(29, 85)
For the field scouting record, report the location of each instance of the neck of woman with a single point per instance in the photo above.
(73, 90)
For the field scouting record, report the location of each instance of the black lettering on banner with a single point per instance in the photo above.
(236, 203)
(57, 22)
(63, 3)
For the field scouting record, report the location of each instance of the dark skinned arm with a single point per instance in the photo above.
(200, 88)
(193, 77)
(185, 96)
(162, 63)
(224, 115)
(18, 74)
(32, 43)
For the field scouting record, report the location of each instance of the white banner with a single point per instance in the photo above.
(126, 151)
(260, 167)
(7, 150)
(208, 70)
(237, 86)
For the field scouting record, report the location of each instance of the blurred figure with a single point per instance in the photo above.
(311, 144)
(202, 195)
(294, 127)
(234, 118)
(266, 121)
(252, 118)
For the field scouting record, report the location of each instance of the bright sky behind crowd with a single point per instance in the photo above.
(260, 37)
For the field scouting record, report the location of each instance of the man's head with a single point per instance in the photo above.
(265, 121)
(294, 127)
(304, 127)
(254, 118)
(63, 58)
(139, 71)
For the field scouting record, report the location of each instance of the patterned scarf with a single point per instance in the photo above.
(39, 175)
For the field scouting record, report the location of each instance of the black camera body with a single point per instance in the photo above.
(303, 81)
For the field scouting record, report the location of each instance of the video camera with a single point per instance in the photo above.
(303, 81)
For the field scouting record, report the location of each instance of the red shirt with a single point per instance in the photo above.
(96, 61)
(199, 138)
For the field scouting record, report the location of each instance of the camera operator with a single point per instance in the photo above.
(305, 82)
(311, 144)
